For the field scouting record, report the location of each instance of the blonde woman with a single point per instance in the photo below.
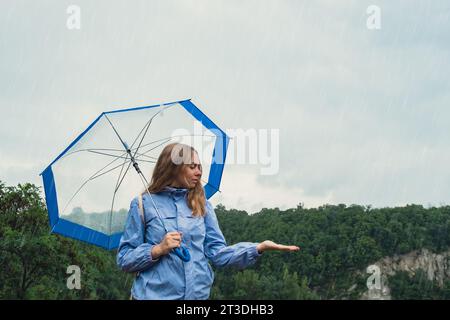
(177, 216)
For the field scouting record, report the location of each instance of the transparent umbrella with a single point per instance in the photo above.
(88, 187)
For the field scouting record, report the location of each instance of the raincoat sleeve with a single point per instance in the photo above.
(134, 254)
(239, 255)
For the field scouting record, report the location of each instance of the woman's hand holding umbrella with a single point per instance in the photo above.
(171, 241)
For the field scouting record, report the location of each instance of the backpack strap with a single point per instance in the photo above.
(141, 209)
(141, 213)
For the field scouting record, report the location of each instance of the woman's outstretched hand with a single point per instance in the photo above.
(270, 245)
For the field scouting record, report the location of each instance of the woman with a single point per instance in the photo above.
(177, 195)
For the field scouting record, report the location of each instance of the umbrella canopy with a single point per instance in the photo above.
(89, 186)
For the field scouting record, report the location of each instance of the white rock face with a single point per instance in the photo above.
(436, 266)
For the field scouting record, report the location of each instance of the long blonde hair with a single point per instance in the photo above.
(166, 171)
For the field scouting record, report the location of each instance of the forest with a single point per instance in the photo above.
(337, 243)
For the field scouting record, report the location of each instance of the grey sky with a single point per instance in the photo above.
(363, 114)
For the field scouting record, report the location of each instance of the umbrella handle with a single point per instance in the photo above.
(183, 253)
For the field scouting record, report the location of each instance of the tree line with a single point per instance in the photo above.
(337, 243)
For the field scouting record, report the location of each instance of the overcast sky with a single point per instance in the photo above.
(363, 114)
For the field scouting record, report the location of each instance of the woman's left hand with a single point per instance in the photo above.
(270, 245)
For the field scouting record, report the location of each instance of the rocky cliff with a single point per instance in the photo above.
(435, 265)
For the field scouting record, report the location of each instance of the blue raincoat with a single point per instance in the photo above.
(168, 277)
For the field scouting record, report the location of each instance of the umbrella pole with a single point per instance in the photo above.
(145, 183)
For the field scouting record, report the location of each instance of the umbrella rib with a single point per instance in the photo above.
(110, 155)
(91, 178)
(103, 173)
(155, 141)
(144, 155)
(121, 157)
(90, 149)
(180, 135)
(120, 138)
(151, 149)
(167, 139)
(146, 126)
(123, 177)
(139, 155)
(115, 191)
